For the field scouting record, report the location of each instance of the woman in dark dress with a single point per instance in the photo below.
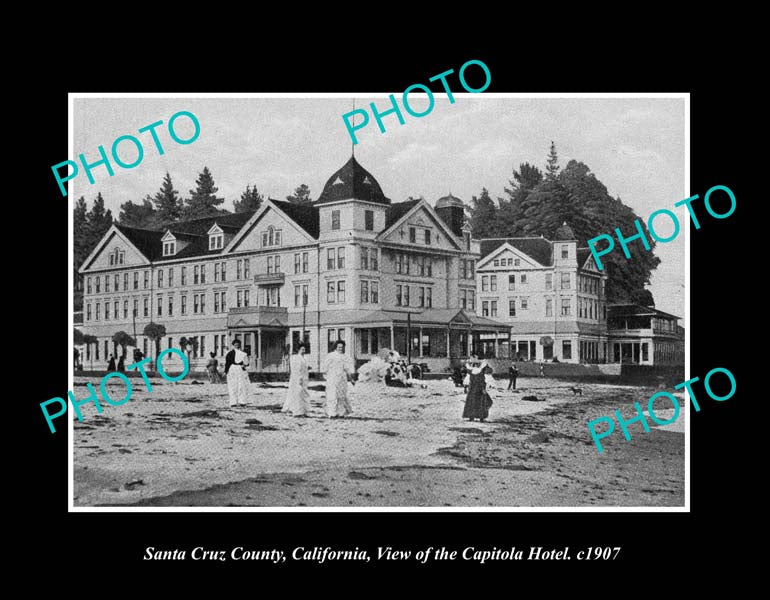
(477, 402)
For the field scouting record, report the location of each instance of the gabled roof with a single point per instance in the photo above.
(538, 248)
(304, 215)
(398, 210)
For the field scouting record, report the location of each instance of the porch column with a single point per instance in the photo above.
(420, 329)
(392, 337)
(259, 349)
(470, 342)
(448, 342)
(496, 350)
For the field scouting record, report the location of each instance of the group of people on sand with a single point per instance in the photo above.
(337, 365)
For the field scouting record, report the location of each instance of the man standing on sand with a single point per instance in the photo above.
(513, 373)
(236, 362)
(338, 368)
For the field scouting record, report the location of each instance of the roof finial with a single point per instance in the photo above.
(353, 145)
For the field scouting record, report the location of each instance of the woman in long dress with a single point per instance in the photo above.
(338, 368)
(477, 402)
(297, 397)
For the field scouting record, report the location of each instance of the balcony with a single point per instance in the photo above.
(270, 278)
(257, 316)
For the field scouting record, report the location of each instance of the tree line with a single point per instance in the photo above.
(538, 202)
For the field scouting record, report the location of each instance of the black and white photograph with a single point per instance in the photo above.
(322, 302)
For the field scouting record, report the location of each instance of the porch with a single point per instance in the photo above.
(263, 332)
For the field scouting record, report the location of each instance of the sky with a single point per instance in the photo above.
(635, 146)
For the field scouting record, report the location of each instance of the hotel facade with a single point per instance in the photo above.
(352, 266)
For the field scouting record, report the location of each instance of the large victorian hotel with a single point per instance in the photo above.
(354, 266)
(351, 266)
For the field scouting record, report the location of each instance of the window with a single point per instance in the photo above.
(523, 278)
(216, 241)
(145, 307)
(88, 285)
(238, 268)
(340, 258)
(335, 219)
(373, 253)
(98, 311)
(566, 308)
(223, 301)
(106, 283)
(524, 303)
(496, 263)
(472, 266)
(171, 277)
(146, 280)
(296, 295)
(169, 248)
(406, 295)
(510, 262)
(471, 300)
(565, 281)
(270, 265)
(369, 220)
(88, 312)
(340, 292)
(216, 272)
(493, 283)
(160, 278)
(196, 275)
(224, 273)
(125, 309)
(421, 296)
(117, 282)
(485, 283)
(428, 297)
(203, 303)
(365, 258)
(304, 262)
(107, 311)
(399, 297)
(160, 306)
(239, 298)
(183, 310)
(304, 295)
(426, 266)
(297, 263)
(427, 237)
(566, 349)
(402, 264)
(485, 308)
(183, 277)
(493, 308)
(412, 235)
(170, 306)
(196, 304)
(565, 251)
(511, 282)
(246, 268)
(331, 292)
(645, 352)
(549, 281)
(216, 302)
(516, 262)
(548, 307)
(330, 261)
(511, 308)
(116, 309)
(374, 292)
(364, 292)
(125, 282)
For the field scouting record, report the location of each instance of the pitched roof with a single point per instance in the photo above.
(352, 181)
(636, 310)
(304, 215)
(398, 210)
(194, 232)
(538, 248)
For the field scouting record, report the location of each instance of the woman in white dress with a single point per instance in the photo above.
(236, 362)
(338, 367)
(297, 397)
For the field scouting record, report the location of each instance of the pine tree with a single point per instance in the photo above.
(143, 216)
(81, 231)
(552, 168)
(301, 195)
(250, 200)
(483, 216)
(524, 181)
(203, 200)
(169, 205)
(99, 221)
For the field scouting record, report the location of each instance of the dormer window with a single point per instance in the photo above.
(271, 237)
(169, 248)
(216, 241)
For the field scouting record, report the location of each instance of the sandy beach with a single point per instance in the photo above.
(181, 445)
